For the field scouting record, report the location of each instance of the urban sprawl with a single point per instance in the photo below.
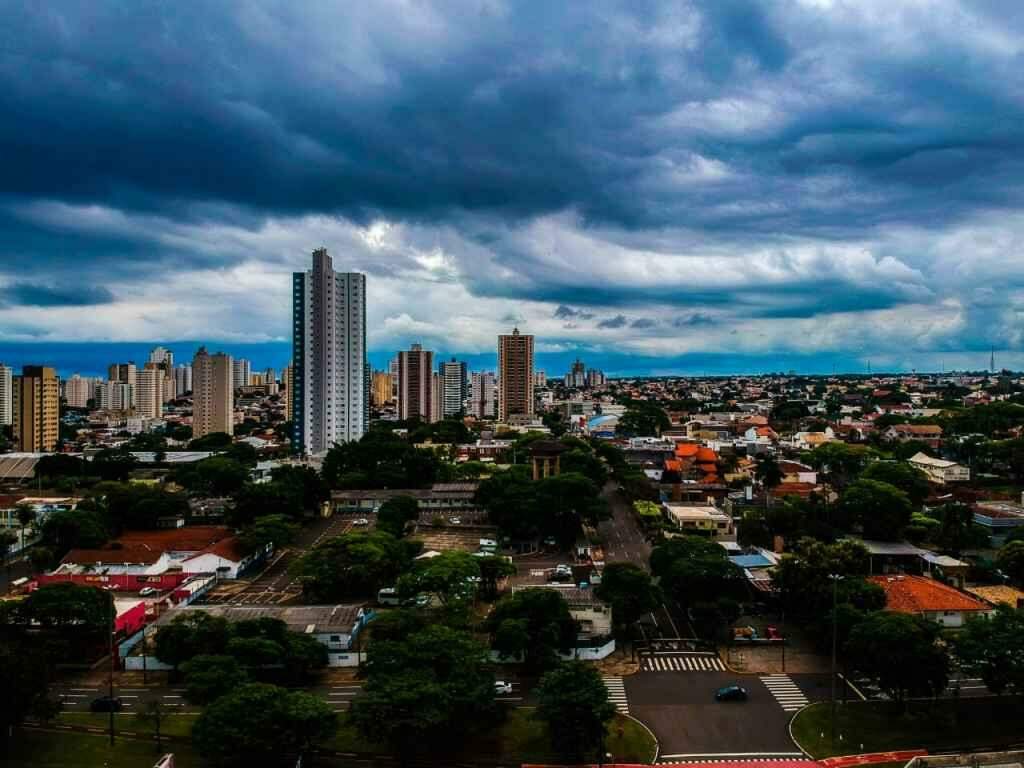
(340, 565)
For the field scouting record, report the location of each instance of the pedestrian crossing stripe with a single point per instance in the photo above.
(617, 693)
(786, 692)
(728, 759)
(692, 663)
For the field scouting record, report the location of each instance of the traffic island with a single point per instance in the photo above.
(882, 726)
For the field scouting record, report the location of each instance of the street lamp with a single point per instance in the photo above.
(835, 578)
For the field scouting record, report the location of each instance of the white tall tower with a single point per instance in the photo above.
(331, 403)
(6, 395)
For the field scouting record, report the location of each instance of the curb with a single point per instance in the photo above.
(657, 744)
(789, 730)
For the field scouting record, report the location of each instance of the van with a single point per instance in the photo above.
(388, 596)
(488, 544)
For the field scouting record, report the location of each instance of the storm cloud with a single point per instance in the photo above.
(796, 176)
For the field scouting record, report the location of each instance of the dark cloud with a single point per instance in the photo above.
(690, 321)
(34, 295)
(643, 322)
(563, 312)
(619, 321)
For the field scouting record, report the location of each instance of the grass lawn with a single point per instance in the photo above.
(881, 727)
(172, 725)
(522, 739)
(39, 749)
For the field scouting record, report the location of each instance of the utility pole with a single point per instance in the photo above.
(835, 584)
(144, 681)
(110, 671)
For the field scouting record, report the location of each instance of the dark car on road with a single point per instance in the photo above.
(731, 693)
(106, 704)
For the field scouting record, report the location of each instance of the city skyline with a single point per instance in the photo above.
(812, 182)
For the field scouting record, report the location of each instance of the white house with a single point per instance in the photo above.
(939, 470)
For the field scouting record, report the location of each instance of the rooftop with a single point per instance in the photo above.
(999, 594)
(308, 619)
(923, 458)
(917, 594)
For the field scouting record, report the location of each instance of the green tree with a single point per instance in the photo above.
(256, 500)
(898, 474)
(1010, 560)
(306, 483)
(802, 576)
(451, 577)
(395, 514)
(881, 510)
(214, 476)
(532, 624)
(353, 565)
(210, 677)
(573, 702)
(643, 420)
(900, 653)
(839, 462)
(692, 569)
(492, 570)
(214, 441)
(192, 634)
(23, 680)
(425, 691)
(68, 607)
(993, 649)
(256, 720)
(629, 590)
(254, 652)
(269, 529)
(583, 461)
(768, 475)
(64, 530)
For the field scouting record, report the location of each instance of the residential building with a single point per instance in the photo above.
(35, 407)
(149, 392)
(930, 434)
(182, 379)
(382, 388)
(515, 375)
(482, 388)
(331, 399)
(393, 370)
(436, 396)
(440, 498)
(703, 520)
(940, 471)
(999, 518)
(169, 386)
(162, 356)
(921, 596)
(577, 375)
(540, 380)
(454, 388)
(416, 384)
(288, 382)
(78, 391)
(114, 396)
(241, 372)
(124, 372)
(213, 390)
(595, 378)
(6, 395)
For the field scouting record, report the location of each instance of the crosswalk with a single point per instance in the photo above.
(691, 662)
(785, 691)
(617, 693)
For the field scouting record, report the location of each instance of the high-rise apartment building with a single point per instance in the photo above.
(242, 372)
(540, 380)
(515, 375)
(6, 395)
(182, 379)
(481, 395)
(382, 388)
(416, 384)
(79, 390)
(36, 409)
(162, 356)
(595, 378)
(577, 376)
(288, 383)
(213, 393)
(454, 388)
(393, 370)
(149, 391)
(124, 372)
(113, 395)
(331, 402)
(436, 396)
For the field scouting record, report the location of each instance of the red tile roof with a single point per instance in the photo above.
(706, 455)
(187, 539)
(917, 594)
(686, 450)
(229, 549)
(136, 555)
(673, 465)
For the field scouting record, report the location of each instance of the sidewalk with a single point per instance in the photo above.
(871, 758)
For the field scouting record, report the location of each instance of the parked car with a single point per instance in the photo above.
(501, 687)
(147, 591)
(360, 521)
(773, 633)
(106, 704)
(731, 693)
(456, 521)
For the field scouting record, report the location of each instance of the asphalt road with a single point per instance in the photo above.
(624, 541)
(680, 708)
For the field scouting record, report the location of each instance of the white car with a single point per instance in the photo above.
(147, 592)
(456, 521)
(501, 687)
(360, 521)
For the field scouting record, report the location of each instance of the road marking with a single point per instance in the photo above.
(695, 662)
(617, 693)
(786, 692)
(722, 755)
(87, 690)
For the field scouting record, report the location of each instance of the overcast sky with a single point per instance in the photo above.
(841, 180)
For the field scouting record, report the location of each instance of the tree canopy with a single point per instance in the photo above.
(572, 701)
(532, 624)
(879, 509)
(395, 514)
(353, 565)
(993, 649)
(380, 460)
(912, 481)
(692, 568)
(629, 590)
